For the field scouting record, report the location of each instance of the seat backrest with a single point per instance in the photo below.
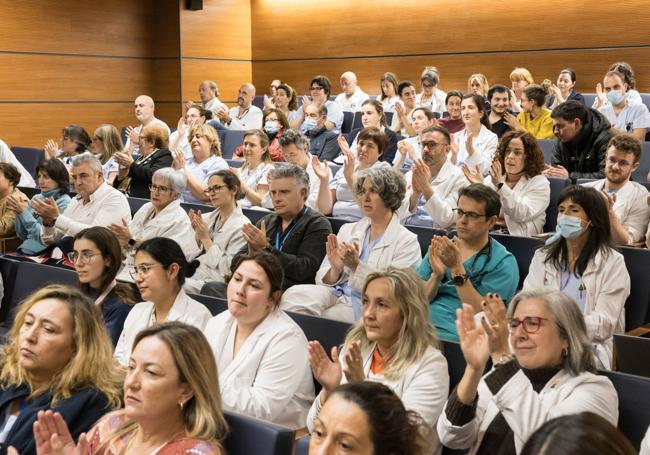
(583, 181)
(29, 157)
(214, 304)
(645, 97)
(326, 331)
(356, 123)
(255, 215)
(8, 270)
(641, 173)
(557, 185)
(302, 445)
(231, 140)
(136, 203)
(204, 208)
(334, 168)
(632, 354)
(389, 117)
(348, 120)
(589, 99)
(259, 101)
(29, 192)
(424, 236)
(523, 248)
(636, 305)
(547, 146)
(336, 224)
(249, 436)
(633, 404)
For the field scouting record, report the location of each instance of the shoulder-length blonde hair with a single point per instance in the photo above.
(210, 134)
(482, 80)
(111, 141)
(91, 364)
(194, 360)
(417, 333)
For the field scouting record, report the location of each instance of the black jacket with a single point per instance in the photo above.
(391, 150)
(323, 143)
(584, 157)
(141, 172)
(302, 251)
(80, 412)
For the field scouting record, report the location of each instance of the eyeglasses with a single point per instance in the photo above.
(623, 163)
(427, 85)
(471, 215)
(531, 324)
(430, 144)
(214, 188)
(84, 257)
(158, 188)
(142, 270)
(315, 88)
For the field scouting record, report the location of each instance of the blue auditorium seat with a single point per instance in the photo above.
(547, 146)
(255, 215)
(637, 261)
(136, 203)
(589, 99)
(259, 101)
(29, 157)
(523, 248)
(250, 436)
(348, 119)
(234, 163)
(204, 208)
(230, 140)
(214, 304)
(641, 174)
(557, 185)
(356, 123)
(302, 445)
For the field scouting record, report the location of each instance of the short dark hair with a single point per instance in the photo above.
(379, 108)
(56, 170)
(497, 88)
(375, 135)
(269, 262)
(168, 252)
(533, 155)
(11, 173)
(438, 129)
(427, 112)
(322, 81)
(479, 101)
(536, 93)
(451, 94)
(570, 110)
(404, 85)
(295, 137)
(628, 144)
(231, 180)
(78, 135)
(482, 193)
(570, 72)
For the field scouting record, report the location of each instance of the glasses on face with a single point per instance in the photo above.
(623, 163)
(214, 188)
(531, 324)
(83, 258)
(470, 215)
(142, 269)
(431, 144)
(427, 85)
(158, 188)
(316, 88)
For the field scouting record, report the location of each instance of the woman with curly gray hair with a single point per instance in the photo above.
(375, 242)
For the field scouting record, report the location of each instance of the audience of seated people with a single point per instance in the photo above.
(520, 78)
(179, 140)
(145, 114)
(74, 140)
(320, 89)
(393, 344)
(564, 90)
(623, 116)
(409, 150)
(245, 116)
(352, 97)
(402, 119)
(389, 94)
(431, 96)
(209, 95)
(322, 141)
(372, 114)
(257, 163)
(275, 123)
(535, 117)
(632, 95)
(106, 141)
(499, 97)
(376, 241)
(286, 101)
(454, 122)
(475, 144)
(478, 84)
(580, 260)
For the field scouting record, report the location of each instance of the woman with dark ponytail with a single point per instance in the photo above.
(371, 418)
(159, 271)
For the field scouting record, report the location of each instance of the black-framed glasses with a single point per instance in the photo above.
(214, 189)
(471, 215)
(161, 188)
(84, 257)
(531, 324)
(142, 269)
(430, 144)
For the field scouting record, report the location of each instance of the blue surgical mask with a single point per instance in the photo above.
(309, 124)
(615, 97)
(568, 227)
(271, 127)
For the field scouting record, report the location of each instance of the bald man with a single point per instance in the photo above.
(144, 112)
(244, 116)
(352, 97)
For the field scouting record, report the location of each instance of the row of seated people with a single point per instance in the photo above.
(179, 371)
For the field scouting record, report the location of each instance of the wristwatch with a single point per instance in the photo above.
(459, 279)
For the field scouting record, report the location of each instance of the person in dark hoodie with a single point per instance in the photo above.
(583, 134)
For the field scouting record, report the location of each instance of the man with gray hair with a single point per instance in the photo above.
(352, 97)
(296, 233)
(144, 112)
(244, 116)
(96, 203)
(209, 94)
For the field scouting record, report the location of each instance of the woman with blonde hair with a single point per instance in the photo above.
(394, 344)
(478, 83)
(58, 356)
(520, 79)
(172, 400)
(106, 141)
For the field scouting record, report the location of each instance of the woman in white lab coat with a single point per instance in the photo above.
(261, 352)
(159, 272)
(475, 144)
(580, 261)
(394, 344)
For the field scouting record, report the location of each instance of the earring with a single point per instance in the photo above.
(565, 353)
(180, 403)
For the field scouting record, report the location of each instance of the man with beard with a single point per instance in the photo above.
(244, 116)
(144, 111)
(499, 98)
(629, 213)
(433, 183)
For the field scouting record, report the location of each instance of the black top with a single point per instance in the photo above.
(114, 312)
(501, 127)
(574, 96)
(141, 171)
(391, 150)
(303, 249)
(80, 412)
(323, 143)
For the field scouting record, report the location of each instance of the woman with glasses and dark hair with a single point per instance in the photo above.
(97, 258)
(54, 182)
(431, 96)
(159, 272)
(580, 260)
(543, 368)
(74, 140)
(219, 232)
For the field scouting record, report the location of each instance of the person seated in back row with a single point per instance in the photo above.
(322, 142)
(624, 117)
(466, 269)
(320, 89)
(372, 114)
(352, 97)
(629, 213)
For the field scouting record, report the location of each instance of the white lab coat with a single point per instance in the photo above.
(485, 144)
(607, 284)
(446, 186)
(7, 156)
(227, 241)
(524, 206)
(525, 410)
(423, 387)
(645, 444)
(269, 378)
(184, 309)
(631, 207)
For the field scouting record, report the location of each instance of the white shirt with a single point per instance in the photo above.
(631, 207)
(183, 143)
(105, 206)
(252, 178)
(485, 144)
(435, 104)
(408, 162)
(352, 103)
(389, 103)
(202, 172)
(215, 105)
(155, 121)
(250, 119)
(143, 315)
(7, 156)
(269, 378)
(524, 206)
(346, 201)
(631, 117)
